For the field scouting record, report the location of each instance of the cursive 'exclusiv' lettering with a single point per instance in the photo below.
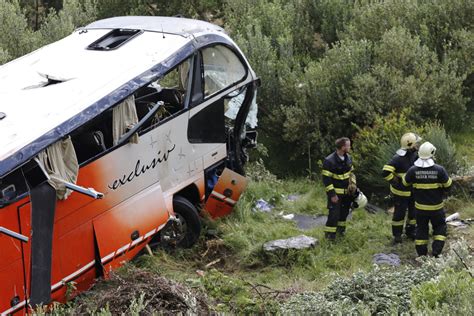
(141, 169)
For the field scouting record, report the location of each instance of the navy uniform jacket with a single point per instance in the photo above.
(429, 186)
(336, 173)
(397, 167)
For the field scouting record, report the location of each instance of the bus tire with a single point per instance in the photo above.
(184, 231)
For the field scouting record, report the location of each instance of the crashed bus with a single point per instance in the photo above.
(112, 137)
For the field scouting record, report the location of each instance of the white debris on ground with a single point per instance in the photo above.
(452, 217)
(288, 216)
(456, 221)
(262, 206)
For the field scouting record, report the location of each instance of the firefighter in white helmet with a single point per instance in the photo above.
(430, 183)
(393, 172)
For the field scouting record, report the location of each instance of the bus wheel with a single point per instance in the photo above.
(184, 231)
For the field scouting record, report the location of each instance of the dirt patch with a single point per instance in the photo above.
(215, 254)
(149, 293)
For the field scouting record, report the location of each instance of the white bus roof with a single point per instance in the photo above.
(170, 25)
(53, 90)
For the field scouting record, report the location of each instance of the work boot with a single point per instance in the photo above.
(397, 240)
(411, 236)
(341, 231)
(410, 232)
(421, 250)
(330, 236)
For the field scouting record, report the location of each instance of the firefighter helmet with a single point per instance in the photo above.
(409, 140)
(426, 151)
(361, 200)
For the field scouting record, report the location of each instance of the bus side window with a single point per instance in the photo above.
(93, 138)
(172, 90)
(222, 69)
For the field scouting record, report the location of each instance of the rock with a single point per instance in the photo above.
(374, 209)
(298, 242)
(390, 259)
(293, 197)
(306, 222)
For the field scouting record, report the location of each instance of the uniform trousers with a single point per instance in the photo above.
(337, 216)
(438, 222)
(404, 205)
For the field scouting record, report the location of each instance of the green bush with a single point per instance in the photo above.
(330, 17)
(4, 57)
(374, 146)
(16, 38)
(319, 114)
(451, 292)
(407, 74)
(434, 20)
(235, 295)
(256, 171)
(446, 154)
(75, 13)
(388, 290)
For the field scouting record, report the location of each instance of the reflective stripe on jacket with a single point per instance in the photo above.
(397, 167)
(429, 185)
(336, 173)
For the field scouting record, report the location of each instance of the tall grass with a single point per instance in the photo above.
(246, 231)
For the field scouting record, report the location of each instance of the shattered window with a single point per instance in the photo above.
(232, 104)
(171, 90)
(222, 68)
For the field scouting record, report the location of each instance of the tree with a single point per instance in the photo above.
(4, 57)
(16, 38)
(75, 13)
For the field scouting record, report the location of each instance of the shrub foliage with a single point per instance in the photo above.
(389, 290)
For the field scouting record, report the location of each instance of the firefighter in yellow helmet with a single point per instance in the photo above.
(430, 183)
(393, 172)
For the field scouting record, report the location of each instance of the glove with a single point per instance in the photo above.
(351, 188)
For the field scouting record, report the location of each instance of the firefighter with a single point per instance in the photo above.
(430, 183)
(393, 172)
(340, 185)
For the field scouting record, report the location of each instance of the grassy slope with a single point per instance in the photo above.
(236, 253)
(245, 231)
